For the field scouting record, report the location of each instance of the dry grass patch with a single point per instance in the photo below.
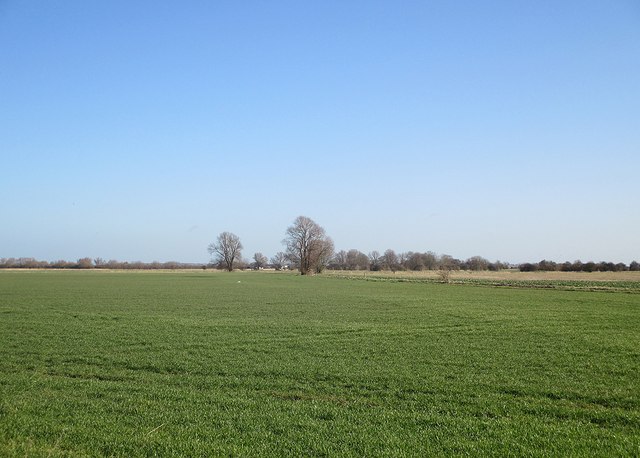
(512, 274)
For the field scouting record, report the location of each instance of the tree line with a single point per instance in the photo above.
(578, 266)
(308, 249)
(89, 263)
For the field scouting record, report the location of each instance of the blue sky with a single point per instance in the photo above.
(141, 130)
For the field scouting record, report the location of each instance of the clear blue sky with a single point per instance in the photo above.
(141, 130)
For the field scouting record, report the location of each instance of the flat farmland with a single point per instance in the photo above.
(267, 364)
(508, 275)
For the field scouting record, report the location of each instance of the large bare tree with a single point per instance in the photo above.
(227, 249)
(308, 245)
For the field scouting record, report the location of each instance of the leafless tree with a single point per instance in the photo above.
(324, 255)
(113, 264)
(308, 245)
(413, 261)
(279, 260)
(480, 263)
(259, 261)
(85, 263)
(227, 249)
(390, 260)
(448, 262)
(357, 260)
(403, 259)
(340, 260)
(374, 260)
(444, 273)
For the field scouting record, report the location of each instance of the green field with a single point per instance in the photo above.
(259, 364)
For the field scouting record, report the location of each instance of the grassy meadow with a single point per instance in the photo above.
(268, 364)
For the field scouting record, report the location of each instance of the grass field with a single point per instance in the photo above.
(259, 364)
(505, 275)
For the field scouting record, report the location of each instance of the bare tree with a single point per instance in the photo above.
(357, 260)
(308, 245)
(111, 264)
(324, 255)
(414, 261)
(259, 261)
(480, 263)
(340, 260)
(390, 260)
(227, 249)
(403, 259)
(444, 273)
(448, 262)
(446, 265)
(374, 260)
(85, 263)
(279, 260)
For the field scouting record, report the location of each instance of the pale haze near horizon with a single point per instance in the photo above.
(140, 130)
